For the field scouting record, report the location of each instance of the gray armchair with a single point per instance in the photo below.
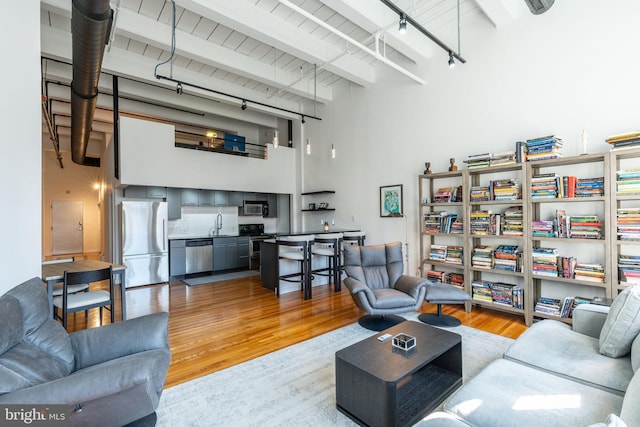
(108, 376)
(378, 286)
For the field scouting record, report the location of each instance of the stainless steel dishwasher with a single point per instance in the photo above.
(199, 255)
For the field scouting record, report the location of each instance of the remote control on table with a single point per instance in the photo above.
(384, 337)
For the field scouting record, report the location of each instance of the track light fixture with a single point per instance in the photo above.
(179, 88)
(276, 141)
(333, 152)
(244, 105)
(308, 146)
(402, 25)
(303, 120)
(452, 63)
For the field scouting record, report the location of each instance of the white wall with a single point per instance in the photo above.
(149, 157)
(20, 162)
(574, 67)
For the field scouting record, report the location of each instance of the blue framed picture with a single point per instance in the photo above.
(391, 201)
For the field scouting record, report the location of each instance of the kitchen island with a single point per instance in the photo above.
(271, 266)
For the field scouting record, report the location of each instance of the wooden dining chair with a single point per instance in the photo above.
(57, 288)
(84, 301)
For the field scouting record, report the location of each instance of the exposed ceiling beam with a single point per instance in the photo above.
(373, 16)
(266, 27)
(497, 11)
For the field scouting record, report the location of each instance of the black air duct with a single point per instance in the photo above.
(90, 26)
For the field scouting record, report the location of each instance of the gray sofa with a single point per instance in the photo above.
(107, 376)
(555, 374)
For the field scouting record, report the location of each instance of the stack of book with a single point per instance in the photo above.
(570, 303)
(433, 221)
(542, 229)
(590, 187)
(512, 221)
(504, 189)
(438, 253)
(480, 193)
(506, 158)
(457, 226)
(629, 269)
(628, 227)
(479, 222)
(550, 306)
(481, 290)
(561, 223)
(545, 186)
(482, 257)
(544, 148)
(507, 258)
(478, 160)
(454, 255)
(436, 276)
(507, 294)
(448, 194)
(585, 227)
(454, 279)
(589, 272)
(628, 181)
(545, 261)
(568, 186)
(566, 266)
(625, 140)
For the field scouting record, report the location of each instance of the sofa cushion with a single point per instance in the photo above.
(11, 331)
(391, 298)
(622, 324)
(554, 347)
(612, 421)
(630, 412)
(510, 394)
(635, 354)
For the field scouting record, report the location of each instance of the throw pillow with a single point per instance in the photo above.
(611, 421)
(622, 324)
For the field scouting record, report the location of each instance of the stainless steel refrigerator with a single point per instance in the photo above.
(145, 246)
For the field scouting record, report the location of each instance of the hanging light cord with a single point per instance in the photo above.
(173, 44)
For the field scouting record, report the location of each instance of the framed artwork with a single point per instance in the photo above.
(391, 201)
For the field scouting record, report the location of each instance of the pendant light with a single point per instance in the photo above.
(276, 141)
(333, 152)
(308, 146)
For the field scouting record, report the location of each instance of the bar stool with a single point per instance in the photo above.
(297, 248)
(353, 238)
(329, 245)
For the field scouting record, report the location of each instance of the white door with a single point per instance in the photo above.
(66, 227)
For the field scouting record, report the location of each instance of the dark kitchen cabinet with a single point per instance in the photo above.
(206, 198)
(141, 191)
(272, 200)
(225, 253)
(174, 203)
(243, 252)
(221, 198)
(236, 198)
(177, 258)
(190, 197)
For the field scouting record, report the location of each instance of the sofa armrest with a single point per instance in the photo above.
(588, 319)
(98, 345)
(411, 285)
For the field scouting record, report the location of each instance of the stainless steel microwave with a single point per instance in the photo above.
(255, 208)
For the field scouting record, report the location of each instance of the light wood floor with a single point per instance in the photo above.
(218, 325)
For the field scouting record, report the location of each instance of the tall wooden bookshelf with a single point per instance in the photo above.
(604, 250)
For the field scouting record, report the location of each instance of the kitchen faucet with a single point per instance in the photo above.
(218, 223)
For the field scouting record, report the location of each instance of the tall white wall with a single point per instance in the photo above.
(20, 162)
(574, 67)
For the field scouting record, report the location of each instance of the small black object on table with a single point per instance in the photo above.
(378, 385)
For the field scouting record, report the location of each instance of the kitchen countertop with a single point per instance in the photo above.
(196, 236)
(302, 233)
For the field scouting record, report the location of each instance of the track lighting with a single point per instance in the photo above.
(402, 25)
(308, 146)
(276, 141)
(452, 63)
(333, 152)
(244, 105)
(179, 88)
(302, 119)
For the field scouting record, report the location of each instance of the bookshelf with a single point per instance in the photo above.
(592, 219)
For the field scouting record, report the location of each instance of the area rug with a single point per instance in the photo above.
(203, 280)
(294, 386)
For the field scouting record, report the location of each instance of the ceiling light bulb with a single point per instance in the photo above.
(452, 63)
(244, 105)
(402, 25)
(179, 88)
(276, 141)
(308, 146)
(333, 152)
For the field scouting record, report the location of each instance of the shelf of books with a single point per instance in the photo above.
(442, 227)
(568, 215)
(625, 214)
(495, 215)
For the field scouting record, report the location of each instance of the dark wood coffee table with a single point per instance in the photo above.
(378, 385)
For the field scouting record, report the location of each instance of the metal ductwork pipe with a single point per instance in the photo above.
(90, 27)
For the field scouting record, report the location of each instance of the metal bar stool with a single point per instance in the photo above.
(297, 248)
(353, 238)
(329, 245)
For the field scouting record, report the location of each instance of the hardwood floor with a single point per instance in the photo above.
(218, 325)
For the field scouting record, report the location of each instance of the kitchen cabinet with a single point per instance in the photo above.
(236, 198)
(177, 258)
(225, 253)
(221, 198)
(174, 203)
(142, 191)
(243, 252)
(206, 198)
(272, 200)
(190, 197)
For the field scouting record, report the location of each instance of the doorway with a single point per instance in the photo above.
(66, 227)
